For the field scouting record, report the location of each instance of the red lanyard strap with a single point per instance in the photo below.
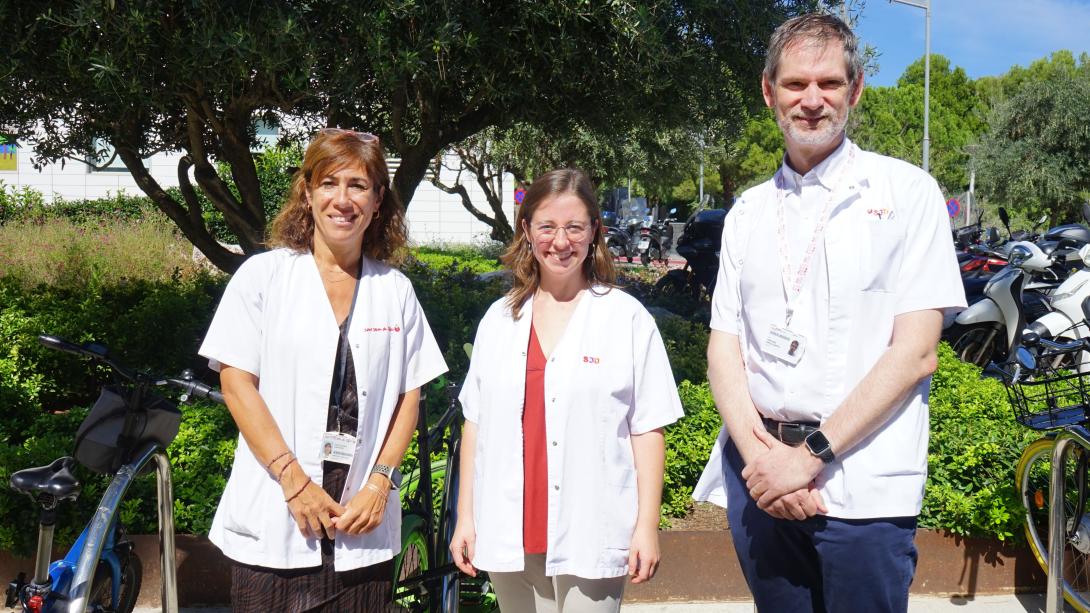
(794, 288)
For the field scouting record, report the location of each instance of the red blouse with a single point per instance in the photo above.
(535, 484)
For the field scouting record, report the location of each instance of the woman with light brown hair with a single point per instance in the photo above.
(321, 348)
(566, 397)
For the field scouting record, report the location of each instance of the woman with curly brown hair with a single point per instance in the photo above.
(321, 348)
(567, 393)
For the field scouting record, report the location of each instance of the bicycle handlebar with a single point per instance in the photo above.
(1056, 348)
(191, 388)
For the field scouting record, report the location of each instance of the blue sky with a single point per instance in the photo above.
(985, 37)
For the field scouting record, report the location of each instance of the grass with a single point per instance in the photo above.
(104, 251)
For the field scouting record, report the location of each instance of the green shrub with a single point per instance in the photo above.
(153, 325)
(686, 344)
(28, 205)
(975, 445)
(689, 442)
(14, 201)
(454, 300)
(463, 257)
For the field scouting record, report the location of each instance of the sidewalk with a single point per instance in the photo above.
(1021, 603)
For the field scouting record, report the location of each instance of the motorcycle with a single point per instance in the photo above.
(699, 245)
(1066, 321)
(656, 240)
(625, 241)
(989, 328)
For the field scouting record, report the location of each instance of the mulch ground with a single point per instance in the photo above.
(704, 516)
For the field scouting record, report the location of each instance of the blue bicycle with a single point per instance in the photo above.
(125, 434)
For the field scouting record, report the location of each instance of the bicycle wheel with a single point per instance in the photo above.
(410, 563)
(1033, 476)
(100, 598)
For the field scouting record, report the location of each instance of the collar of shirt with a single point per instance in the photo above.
(824, 174)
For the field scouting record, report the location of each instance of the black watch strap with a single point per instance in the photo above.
(819, 446)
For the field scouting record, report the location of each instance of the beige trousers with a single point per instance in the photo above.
(530, 591)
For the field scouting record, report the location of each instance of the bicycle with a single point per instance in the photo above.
(1049, 394)
(425, 577)
(125, 434)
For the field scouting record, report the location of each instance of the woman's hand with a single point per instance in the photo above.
(644, 554)
(367, 508)
(311, 507)
(462, 545)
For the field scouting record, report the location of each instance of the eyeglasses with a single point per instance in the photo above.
(363, 137)
(574, 231)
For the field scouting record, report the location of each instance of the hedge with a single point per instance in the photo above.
(158, 325)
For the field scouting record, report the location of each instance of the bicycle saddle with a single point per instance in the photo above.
(55, 479)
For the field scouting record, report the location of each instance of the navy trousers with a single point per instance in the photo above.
(821, 564)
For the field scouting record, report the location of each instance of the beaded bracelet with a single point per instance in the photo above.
(268, 467)
(296, 494)
(285, 469)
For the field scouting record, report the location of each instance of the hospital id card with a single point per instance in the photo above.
(783, 344)
(338, 447)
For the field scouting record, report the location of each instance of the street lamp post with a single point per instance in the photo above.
(926, 6)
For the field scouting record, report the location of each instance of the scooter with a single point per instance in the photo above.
(988, 330)
(1067, 322)
(656, 240)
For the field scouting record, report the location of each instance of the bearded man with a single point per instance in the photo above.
(833, 282)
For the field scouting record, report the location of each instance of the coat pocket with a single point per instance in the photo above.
(620, 508)
(244, 506)
(880, 260)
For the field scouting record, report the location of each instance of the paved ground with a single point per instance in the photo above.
(1024, 603)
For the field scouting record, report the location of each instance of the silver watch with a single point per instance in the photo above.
(390, 472)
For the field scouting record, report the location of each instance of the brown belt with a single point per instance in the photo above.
(790, 432)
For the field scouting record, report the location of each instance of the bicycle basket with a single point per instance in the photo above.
(101, 444)
(1051, 398)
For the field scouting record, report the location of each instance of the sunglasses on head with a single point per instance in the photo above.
(364, 137)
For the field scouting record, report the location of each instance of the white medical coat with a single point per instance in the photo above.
(275, 321)
(886, 250)
(607, 378)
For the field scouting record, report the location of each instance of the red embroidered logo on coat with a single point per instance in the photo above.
(383, 329)
(591, 360)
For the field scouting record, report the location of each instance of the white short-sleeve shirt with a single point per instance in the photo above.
(275, 321)
(607, 379)
(886, 250)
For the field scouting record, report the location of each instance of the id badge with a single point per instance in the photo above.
(783, 344)
(338, 447)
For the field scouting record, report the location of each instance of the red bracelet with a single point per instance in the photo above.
(296, 494)
(284, 469)
(268, 467)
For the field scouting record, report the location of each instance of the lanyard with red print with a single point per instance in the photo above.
(794, 288)
(782, 342)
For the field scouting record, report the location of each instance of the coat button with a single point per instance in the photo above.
(554, 443)
(363, 392)
(556, 487)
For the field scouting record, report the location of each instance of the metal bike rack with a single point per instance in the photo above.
(103, 521)
(1057, 523)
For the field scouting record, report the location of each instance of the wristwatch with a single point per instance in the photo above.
(819, 446)
(390, 472)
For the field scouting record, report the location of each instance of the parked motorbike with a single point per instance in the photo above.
(624, 241)
(988, 330)
(656, 240)
(1066, 321)
(699, 245)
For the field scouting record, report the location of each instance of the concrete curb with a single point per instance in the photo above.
(1020, 603)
